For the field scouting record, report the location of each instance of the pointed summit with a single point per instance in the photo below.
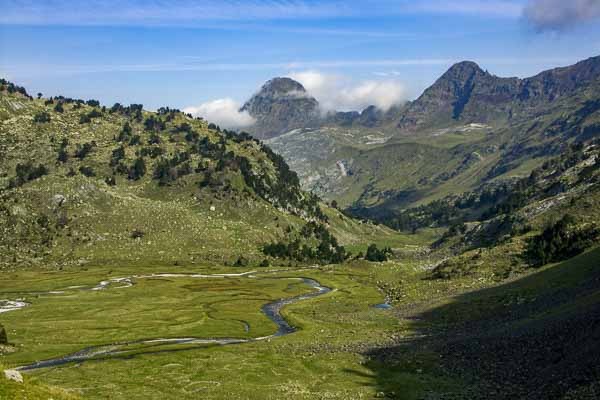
(462, 74)
(466, 93)
(463, 70)
(282, 86)
(281, 105)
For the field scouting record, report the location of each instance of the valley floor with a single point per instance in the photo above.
(536, 336)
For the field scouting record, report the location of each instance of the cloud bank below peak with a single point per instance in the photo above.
(559, 15)
(337, 93)
(223, 112)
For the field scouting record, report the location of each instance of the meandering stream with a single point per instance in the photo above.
(272, 310)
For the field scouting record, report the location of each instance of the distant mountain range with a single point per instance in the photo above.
(464, 94)
(470, 128)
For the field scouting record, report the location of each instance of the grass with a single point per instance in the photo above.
(322, 360)
(334, 355)
(31, 389)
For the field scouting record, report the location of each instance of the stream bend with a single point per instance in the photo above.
(145, 346)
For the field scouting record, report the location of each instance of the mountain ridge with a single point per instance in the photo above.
(469, 128)
(465, 93)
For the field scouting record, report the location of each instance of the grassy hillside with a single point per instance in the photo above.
(82, 183)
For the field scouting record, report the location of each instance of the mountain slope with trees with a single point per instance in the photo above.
(85, 183)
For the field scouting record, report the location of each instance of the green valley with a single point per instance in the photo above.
(453, 253)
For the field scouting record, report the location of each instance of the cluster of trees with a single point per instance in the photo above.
(285, 190)
(69, 100)
(83, 150)
(168, 170)
(87, 117)
(316, 244)
(27, 172)
(12, 88)
(560, 241)
(169, 113)
(152, 151)
(281, 188)
(117, 155)
(133, 110)
(489, 201)
(152, 124)
(63, 153)
(377, 255)
(137, 169)
(126, 136)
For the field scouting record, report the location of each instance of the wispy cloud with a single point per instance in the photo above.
(223, 112)
(187, 64)
(183, 66)
(497, 8)
(337, 92)
(175, 13)
(557, 15)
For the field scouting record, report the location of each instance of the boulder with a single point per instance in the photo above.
(13, 375)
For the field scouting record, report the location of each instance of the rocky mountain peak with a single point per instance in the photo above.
(282, 86)
(463, 71)
(281, 105)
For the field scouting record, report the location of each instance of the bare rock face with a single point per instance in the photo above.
(280, 106)
(466, 93)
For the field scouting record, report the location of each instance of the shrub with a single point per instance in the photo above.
(87, 171)
(125, 133)
(41, 117)
(63, 155)
(136, 234)
(117, 155)
(84, 119)
(241, 262)
(87, 118)
(137, 170)
(83, 150)
(27, 172)
(135, 140)
(3, 336)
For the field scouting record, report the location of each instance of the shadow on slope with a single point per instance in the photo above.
(534, 338)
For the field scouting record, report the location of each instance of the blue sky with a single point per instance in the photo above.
(187, 53)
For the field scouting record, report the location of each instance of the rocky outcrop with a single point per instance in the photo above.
(280, 106)
(466, 93)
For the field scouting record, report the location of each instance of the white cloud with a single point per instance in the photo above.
(336, 92)
(560, 14)
(223, 112)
